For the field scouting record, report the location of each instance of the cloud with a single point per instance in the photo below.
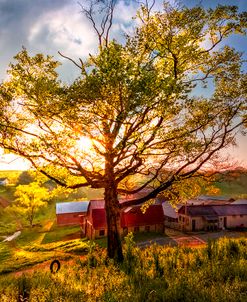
(44, 26)
(64, 29)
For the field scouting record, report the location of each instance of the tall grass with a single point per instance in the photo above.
(217, 272)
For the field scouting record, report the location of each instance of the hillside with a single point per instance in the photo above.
(233, 183)
(217, 272)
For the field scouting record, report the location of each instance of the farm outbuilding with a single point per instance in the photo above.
(94, 224)
(68, 213)
(212, 217)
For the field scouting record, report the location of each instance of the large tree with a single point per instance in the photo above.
(133, 110)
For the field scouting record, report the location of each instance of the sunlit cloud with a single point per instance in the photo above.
(72, 35)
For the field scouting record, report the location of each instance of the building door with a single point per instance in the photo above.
(193, 225)
(225, 222)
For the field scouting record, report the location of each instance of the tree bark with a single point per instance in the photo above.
(112, 208)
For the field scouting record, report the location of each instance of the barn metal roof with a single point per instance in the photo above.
(71, 207)
(233, 209)
(214, 197)
(240, 201)
(210, 210)
(169, 210)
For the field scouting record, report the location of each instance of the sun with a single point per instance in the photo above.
(85, 144)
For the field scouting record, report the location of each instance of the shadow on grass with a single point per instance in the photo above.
(60, 233)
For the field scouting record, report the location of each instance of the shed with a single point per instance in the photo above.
(68, 212)
(212, 217)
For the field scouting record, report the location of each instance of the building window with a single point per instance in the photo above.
(147, 228)
(102, 232)
(136, 229)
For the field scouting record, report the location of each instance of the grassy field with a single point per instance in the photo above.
(39, 244)
(217, 272)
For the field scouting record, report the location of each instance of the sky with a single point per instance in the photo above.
(49, 26)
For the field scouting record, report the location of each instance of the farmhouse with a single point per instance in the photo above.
(212, 217)
(171, 211)
(132, 219)
(68, 213)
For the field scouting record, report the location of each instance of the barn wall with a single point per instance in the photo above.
(69, 218)
(236, 221)
(185, 223)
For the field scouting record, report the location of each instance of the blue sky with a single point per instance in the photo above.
(50, 26)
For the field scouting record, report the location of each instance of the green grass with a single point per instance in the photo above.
(58, 233)
(28, 249)
(215, 273)
(5, 251)
(14, 258)
(138, 237)
(102, 242)
(77, 246)
(28, 236)
(7, 225)
(7, 192)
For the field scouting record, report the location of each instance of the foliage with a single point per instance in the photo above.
(30, 199)
(233, 183)
(157, 274)
(25, 178)
(133, 110)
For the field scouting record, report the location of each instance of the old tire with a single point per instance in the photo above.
(55, 266)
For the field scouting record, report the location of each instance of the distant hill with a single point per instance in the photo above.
(233, 183)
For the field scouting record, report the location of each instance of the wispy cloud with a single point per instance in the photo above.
(64, 29)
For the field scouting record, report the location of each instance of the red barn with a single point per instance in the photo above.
(132, 219)
(68, 212)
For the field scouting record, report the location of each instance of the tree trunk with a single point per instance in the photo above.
(112, 208)
(114, 246)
